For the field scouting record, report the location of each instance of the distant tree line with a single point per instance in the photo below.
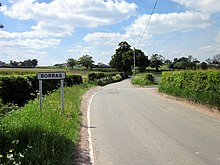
(85, 61)
(26, 63)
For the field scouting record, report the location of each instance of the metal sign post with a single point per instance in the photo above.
(51, 76)
(40, 90)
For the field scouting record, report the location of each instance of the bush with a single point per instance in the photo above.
(143, 79)
(106, 78)
(20, 89)
(199, 86)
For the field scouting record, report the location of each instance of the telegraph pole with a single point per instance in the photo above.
(134, 62)
(1, 26)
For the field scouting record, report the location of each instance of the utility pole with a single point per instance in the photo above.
(134, 62)
(1, 26)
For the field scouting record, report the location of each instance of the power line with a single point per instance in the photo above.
(155, 4)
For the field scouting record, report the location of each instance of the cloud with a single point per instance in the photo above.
(217, 38)
(160, 24)
(211, 6)
(60, 17)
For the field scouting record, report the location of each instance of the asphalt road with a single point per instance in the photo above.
(136, 126)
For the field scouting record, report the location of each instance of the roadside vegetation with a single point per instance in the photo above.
(198, 86)
(31, 136)
(144, 79)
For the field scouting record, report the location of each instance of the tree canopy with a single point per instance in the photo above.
(123, 59)
(71, 62)
(156, 61)
(86, 61)
(25, 63)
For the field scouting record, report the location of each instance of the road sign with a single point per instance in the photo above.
(51, 76)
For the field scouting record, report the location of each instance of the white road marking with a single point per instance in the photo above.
(89, 132)
(197, 153)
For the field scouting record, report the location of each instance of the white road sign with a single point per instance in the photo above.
(51, 75)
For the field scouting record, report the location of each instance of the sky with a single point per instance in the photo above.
(53, 31)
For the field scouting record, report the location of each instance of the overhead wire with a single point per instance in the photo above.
(146, 27)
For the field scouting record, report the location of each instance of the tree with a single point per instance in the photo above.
(14, 63)
(203, 65)
(141, 60)
(71, 62)
(86, 61)
(117, 59)
(123, 59)
(156, 61)
(216, 59)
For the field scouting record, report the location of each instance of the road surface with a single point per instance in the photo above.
(136, 126)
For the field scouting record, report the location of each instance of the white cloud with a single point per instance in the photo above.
(217, 39)
(60, 17)
(165, 23)
(212, 6)
(160, 24)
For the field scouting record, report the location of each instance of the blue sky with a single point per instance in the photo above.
(54, 30)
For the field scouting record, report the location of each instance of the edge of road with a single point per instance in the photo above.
(89, 131)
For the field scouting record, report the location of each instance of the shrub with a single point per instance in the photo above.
(106, 78)
(143, 79)
(199, 86)
(20, 89)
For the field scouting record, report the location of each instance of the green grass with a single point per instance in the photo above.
(31, 136)
(143, 79)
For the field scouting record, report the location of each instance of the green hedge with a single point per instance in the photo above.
(20, 89)
(199, 86)
(106, 78)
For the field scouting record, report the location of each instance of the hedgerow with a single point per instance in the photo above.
(198, 86)
(106, 78)
(20, 89)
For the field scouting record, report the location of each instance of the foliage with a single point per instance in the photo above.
(31, 136)
(143, 79)
(156, 61)
(185, 63)
(71, 62)
(203, 66)
(106, 78)
(86, 61)
(123, 59)
(25, 63)
(199, 86)
(20, 89)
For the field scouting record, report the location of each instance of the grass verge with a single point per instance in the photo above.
(29, 136)
(143, 79)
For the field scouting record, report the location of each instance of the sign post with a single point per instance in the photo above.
(51, 76)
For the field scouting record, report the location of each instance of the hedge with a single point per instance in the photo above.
(198, 86)
(20, 89)
(106, 78)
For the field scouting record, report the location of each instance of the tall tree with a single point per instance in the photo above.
(216, 59)
(123, 59)
(156, 61)
(117, 59)
(71, 62)
(141, 60)
(86, 61)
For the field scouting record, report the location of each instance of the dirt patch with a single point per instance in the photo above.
(198, 107)
(83, 157)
